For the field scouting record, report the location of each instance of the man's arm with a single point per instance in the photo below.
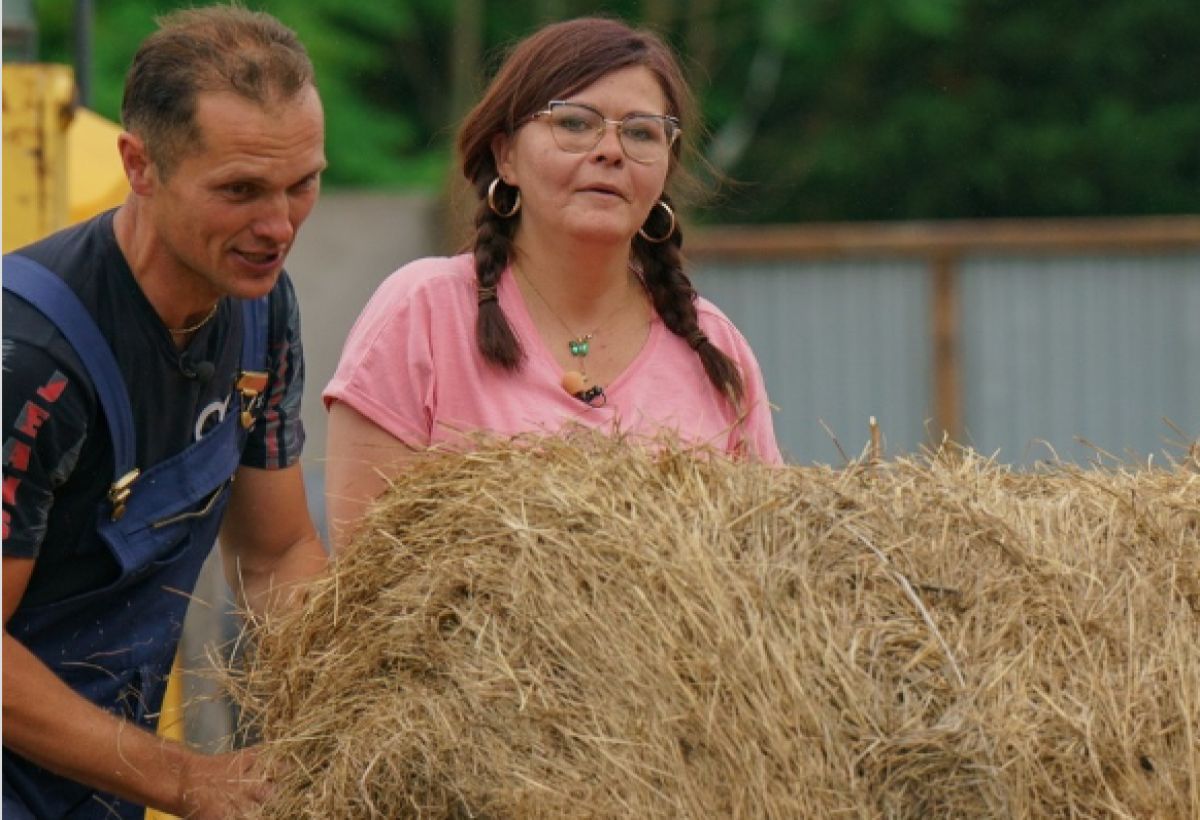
(269, 544)
(49, 723)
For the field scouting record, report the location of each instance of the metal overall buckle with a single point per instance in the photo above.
(119, 492)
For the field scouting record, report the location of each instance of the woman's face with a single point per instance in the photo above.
(599, 196)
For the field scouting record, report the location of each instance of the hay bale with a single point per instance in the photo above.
(579, 628)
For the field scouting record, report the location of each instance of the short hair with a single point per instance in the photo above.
(215, 48)
(555, 62)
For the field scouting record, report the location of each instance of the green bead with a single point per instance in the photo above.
(578, 347)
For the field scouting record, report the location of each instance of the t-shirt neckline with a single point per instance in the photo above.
(511, 299)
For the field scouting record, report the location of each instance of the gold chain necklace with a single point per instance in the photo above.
(183, 331)
(577, 382)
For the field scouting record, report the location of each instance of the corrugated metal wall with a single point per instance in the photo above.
(1102, 348)
(1052, 347)
(838, 342)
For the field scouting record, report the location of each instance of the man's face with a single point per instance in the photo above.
(227, 213)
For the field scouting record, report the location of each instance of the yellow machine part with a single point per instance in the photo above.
(38, 108)
(60, 167)
(170, 722)
(95, 179)
(60, 161)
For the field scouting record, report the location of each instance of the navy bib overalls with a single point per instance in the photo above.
(115, 644)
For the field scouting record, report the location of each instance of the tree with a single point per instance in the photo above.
(821, 109)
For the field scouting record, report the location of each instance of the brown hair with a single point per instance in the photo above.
(554, 62)
(218, 48)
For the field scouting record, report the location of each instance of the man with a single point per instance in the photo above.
(109, 512)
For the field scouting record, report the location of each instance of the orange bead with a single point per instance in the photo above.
(574, 382)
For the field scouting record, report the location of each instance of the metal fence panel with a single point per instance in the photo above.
(838, 342)
(1097, 347)
(1055, 349)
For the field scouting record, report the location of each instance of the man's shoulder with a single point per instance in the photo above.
(32, 341)
(283, 309)
(76, 250)
(80, 255)
(284, 291)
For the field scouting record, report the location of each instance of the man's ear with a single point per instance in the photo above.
(139, 169)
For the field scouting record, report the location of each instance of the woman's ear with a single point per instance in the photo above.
(502, 150)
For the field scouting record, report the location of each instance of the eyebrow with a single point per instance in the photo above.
(261, 181)
(596, 110)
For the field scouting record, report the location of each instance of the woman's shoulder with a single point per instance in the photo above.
(415, 293)
(430, 276)
(715, 323)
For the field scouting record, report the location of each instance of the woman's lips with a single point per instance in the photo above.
(602, 191)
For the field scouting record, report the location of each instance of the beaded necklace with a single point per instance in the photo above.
(577, 382)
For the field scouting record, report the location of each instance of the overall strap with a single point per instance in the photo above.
(47, 292)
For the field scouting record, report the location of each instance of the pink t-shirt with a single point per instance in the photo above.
(411, 366)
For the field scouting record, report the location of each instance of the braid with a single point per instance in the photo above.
(675, 300)
(493, 245)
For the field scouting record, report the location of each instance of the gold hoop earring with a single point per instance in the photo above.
(656, 240)
(491, 201)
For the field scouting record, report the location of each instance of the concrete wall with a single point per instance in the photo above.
(348, 246)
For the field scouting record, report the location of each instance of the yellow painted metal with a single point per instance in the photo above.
(170, 722)
(61, 164)
(39, 104)
(95, 178)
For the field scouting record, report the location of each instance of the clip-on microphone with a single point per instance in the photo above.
(197, 371)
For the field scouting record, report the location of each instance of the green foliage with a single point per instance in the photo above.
(980, 109)
(820, 109)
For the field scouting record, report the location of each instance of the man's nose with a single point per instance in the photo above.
(274, 221)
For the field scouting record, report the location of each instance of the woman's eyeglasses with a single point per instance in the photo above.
(578, 128)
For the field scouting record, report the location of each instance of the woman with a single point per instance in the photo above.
(573, 306)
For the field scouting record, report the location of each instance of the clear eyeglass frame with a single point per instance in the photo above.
(660, 131)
